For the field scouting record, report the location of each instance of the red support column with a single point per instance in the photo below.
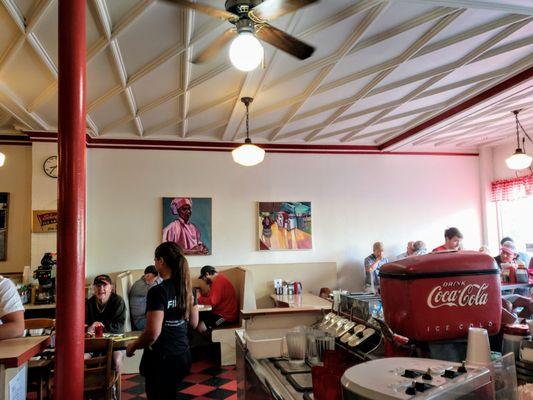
(70, 298)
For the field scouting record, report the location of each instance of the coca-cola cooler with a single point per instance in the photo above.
(439, 296)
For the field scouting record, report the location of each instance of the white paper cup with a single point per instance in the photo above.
(478, 350)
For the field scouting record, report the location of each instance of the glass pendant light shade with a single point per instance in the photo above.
(519, 160)
(246, 52)
(248, 154)
(2, 159)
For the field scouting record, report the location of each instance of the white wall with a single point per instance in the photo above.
(500, 153)
(356, 200)
(44, 197)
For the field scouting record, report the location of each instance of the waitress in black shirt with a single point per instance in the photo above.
(169, 308)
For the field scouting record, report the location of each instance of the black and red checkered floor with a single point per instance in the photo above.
(206, 381)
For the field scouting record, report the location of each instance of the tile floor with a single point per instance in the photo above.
(206, 381)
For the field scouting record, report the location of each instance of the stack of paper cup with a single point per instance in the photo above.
(478, 350)
(26, 275)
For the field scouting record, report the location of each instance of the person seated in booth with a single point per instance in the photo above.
(452, 240)
(416, 248)
(372, 265)
(408, 251)
(106, 309)
(419, 248)
(485, 250)
(11, 310)
(507, 254)
(221, 297)
(519, 256)
(137, 295)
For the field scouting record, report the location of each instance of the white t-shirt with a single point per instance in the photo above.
(9, 298)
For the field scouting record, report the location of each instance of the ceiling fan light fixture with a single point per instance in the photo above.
(519, 160)
(2, 159)
(246, 52)
(248, 154)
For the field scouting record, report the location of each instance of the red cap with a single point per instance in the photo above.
(516, 329)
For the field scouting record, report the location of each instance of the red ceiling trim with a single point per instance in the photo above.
(274, 148)
(375, 153)
(14, 140)
(8, 143)
(220, 145)
(465, 105)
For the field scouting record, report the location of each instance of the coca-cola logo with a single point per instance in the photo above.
(466, 296)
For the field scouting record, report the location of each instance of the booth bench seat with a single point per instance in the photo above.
(238, 276)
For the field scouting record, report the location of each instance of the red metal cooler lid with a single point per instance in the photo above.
(444, 263)
(516, 329)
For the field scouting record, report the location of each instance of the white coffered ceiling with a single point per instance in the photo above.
(380, 68)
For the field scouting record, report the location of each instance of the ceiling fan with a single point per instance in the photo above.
(250, 19)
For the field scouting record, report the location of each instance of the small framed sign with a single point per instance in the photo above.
(44, 221)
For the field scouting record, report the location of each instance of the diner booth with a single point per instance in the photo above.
(311, 155)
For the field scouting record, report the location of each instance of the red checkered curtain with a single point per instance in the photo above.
(512, 189)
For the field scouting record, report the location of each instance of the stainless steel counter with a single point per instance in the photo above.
(250, 371)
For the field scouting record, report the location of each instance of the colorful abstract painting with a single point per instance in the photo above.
(285, 226)
(187, 222)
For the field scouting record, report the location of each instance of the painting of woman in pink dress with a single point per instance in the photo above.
(191, 231)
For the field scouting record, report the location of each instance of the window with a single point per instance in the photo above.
(516, 221)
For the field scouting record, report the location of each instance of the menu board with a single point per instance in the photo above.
(17, 385)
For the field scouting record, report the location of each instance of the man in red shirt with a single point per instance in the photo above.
(453, 238)
(221, 297)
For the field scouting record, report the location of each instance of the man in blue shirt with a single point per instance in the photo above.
(372, 265)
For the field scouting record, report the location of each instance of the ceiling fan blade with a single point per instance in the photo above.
(212, 11)
(284, 41)
(271, 9)
(215, 46)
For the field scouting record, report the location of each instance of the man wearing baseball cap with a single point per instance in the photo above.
(507, 253)
(105, 307)
(221, 297)
(520, 256)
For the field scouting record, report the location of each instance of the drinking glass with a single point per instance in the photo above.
(99, 331)
(296, 341)
(312, 351)
(325, 342)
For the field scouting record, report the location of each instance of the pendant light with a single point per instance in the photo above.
(519, 160)
(2, 159)
(248, 154)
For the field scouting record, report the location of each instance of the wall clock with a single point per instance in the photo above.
(50, 167)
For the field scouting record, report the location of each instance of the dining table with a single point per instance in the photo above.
(14, 357)
(300, 300)
(512, 286)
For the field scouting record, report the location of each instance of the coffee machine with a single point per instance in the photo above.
(46, 275)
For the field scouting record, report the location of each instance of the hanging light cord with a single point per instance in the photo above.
(247, 123)
(523, 130)
(517, 131)
(519, 125)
